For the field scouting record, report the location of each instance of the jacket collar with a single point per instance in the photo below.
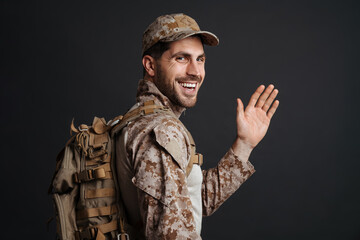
(147, 90)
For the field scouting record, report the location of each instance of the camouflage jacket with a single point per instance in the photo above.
(153, 182)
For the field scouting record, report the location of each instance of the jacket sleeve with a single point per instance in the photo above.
(221, 182)
(159, 174)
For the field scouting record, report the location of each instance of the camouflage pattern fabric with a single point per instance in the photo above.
(173, 27)
(153, 182)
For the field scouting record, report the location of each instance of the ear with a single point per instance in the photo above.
(149, 65)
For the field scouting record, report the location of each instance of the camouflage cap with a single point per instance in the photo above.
(173, 27)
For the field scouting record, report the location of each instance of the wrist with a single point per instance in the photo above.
(241, 148)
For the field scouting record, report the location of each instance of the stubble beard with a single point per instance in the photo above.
(168, 89)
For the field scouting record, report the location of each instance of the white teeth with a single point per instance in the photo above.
(188, 85)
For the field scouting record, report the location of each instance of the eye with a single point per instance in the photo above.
(201, 59)
(181, 59)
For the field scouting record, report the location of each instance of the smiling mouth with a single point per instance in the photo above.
(190, 86)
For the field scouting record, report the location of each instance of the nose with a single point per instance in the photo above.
(194, 68)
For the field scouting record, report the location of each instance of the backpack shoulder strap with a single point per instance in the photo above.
(146, 108)
(196, 158)
(150, 107)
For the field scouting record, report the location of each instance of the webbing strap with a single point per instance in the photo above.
(100, 192)
(87, 233)
(197, 159)
(190, 164)
(102, 172)
(100, 236)
(90, 162)
(107, 227)
(97, 231)
(148, 108)
(94, 212)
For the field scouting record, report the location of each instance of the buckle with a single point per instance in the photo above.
(114, 122)
(83, 127)
(123, 236)
(96, 173)
(90, 174)
(99, 173)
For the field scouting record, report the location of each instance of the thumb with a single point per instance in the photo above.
(240, 108)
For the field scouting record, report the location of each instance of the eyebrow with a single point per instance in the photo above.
(185, 54)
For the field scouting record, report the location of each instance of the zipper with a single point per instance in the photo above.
(61, 216)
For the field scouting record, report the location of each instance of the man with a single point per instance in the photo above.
(162, 197)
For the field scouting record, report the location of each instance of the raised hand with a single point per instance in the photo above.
(253, 122)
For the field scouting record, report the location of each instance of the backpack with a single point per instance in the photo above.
(84, 187)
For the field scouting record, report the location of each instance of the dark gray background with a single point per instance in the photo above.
(82, 58)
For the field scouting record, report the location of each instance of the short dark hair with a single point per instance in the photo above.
(156, 51)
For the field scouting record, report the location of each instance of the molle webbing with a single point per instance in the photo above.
(99, 193)
(97, 203)
(95, 212)
(96, 146)
(97, 232)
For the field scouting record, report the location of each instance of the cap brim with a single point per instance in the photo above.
(207, 37)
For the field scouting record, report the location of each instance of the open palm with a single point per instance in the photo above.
(254, 121)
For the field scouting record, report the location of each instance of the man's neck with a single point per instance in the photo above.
(147, 89)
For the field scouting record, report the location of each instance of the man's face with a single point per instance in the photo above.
(180, 71)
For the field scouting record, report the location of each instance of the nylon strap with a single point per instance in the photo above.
(191, 163)
(95, 161)
(102, 172)
(73, 128)
(89, 175)
(107, 227)
(100, 192)
(148, 108)
(97, 231)
(100, 236)
(94, 212)
(197, 159)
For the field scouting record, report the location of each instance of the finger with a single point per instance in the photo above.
(240, 107)
(254, 98)
(270, 100)
(273, 108)
(264, 96)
